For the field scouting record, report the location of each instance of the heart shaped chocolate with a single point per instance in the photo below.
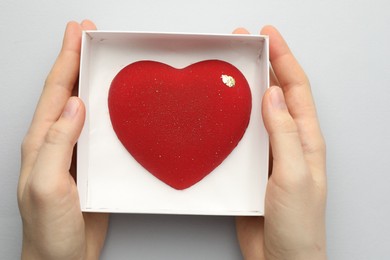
(180, 124)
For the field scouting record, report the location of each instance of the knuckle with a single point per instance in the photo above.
(52, 82)
(39, 193)
(25, 145)
(302, 82)
(49, 81)
(317, 145)
(42, 192)
(57, 136)
(285, 125)
(321, 145)
(28, 145)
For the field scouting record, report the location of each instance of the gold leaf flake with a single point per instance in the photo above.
(228, 80)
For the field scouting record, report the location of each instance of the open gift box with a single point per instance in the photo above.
(109, 179)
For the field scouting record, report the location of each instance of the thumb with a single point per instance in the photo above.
(289, 165)
(53, 161)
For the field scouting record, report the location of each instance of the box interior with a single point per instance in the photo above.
(110, 180)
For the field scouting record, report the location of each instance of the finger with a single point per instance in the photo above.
(96, 225)
(273, 80)
(250, 234)
(289, 164)
(298, 96)
(241, 31)
(57, 90)
(85, 25)
(54, 158)
(60, 81)
(88, 25)
(289, 73)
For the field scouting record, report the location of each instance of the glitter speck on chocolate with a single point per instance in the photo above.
(228, 80)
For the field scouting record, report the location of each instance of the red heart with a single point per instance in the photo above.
(180, 124)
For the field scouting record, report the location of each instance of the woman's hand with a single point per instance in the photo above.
(293, 226)
(53, 225)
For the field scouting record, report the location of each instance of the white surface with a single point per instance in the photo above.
(344, 48)
(131, 188)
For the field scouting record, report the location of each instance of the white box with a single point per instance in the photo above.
(110, 180)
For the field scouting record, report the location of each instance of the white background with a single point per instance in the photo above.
(344, 48)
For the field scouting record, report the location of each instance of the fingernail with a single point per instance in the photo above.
(277, 98)
(71, 108)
